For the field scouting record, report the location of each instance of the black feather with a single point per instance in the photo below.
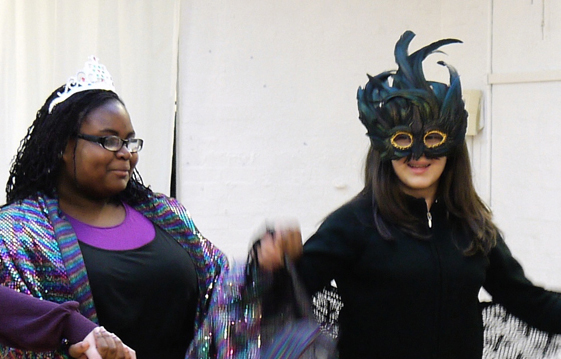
(403, 100)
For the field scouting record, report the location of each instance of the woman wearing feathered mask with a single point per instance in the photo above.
(411, 251)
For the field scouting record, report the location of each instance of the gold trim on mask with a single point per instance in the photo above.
(398, 136)
(436, 144)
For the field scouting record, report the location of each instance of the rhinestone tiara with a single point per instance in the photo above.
(94, 76)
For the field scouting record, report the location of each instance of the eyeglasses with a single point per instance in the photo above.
(114, 143)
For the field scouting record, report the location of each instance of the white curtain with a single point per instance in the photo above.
(43, 42)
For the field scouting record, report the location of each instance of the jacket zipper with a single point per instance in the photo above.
(440, 279)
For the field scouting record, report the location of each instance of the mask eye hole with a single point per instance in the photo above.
(434, 139)
(402, 140)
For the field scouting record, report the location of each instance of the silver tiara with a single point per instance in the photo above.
(94, 76)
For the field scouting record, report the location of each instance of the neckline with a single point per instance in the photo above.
(75, 220)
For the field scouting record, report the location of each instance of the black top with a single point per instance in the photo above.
(146, 296)
(413, 298)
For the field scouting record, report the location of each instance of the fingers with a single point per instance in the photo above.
(129, 353)
(109, 345)
(101, 344)
(269, 253)
(284, 239)
(120, 351)
(78, 350)
(90, 350)
(290, 238)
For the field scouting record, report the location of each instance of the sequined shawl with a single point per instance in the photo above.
(40, 256)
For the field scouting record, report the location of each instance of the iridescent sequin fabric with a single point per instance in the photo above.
(231, 329)
(40, 256)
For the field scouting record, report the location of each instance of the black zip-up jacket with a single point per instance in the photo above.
(411, 298)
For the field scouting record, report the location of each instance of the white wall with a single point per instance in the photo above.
(526, 196)
(526, 174)
(267, 99)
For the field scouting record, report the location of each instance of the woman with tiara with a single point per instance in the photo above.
(80, 225)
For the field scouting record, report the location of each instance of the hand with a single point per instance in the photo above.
(78, 350)
(285, 239)
(101, 344)
(109, 346)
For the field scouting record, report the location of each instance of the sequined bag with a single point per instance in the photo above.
(289, 328)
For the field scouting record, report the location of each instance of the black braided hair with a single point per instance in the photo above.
(36, 166)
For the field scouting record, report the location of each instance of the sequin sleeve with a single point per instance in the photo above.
(30, 263)
(231, 328)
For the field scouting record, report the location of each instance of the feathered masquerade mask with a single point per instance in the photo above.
(412, 116)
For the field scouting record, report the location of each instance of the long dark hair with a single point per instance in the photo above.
(36, 166)
(455, 188)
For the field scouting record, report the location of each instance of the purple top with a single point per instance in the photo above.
(134, 232)
(30, 323)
